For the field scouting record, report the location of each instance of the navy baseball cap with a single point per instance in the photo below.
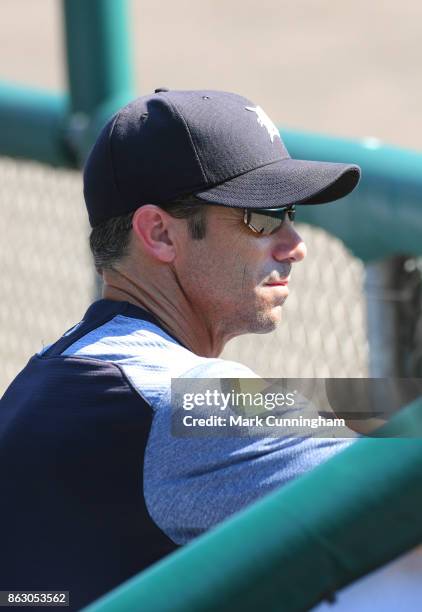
(216, 145)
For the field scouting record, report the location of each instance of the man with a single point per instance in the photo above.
(191, 197)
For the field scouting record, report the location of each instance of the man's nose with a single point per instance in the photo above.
(288, 244)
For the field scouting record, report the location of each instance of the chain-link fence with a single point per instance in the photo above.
(46, 278)
(47, 281)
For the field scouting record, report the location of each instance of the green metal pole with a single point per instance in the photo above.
(297, 546)
(99, 65)
(98, 51)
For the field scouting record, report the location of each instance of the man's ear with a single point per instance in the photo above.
(153, 228)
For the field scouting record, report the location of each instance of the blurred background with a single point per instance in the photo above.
(342, 69)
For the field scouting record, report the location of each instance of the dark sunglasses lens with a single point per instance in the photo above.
(266, 224)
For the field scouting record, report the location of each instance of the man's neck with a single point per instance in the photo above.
(174, 316)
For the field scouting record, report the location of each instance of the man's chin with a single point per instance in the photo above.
(266, 323)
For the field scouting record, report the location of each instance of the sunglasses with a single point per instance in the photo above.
(265, 221)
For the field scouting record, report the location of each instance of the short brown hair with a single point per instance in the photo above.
(109, 242)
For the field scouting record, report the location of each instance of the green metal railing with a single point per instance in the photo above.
(33, 125)
(383, 216)
(300, 544)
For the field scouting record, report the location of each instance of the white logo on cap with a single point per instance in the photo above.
(264, 121)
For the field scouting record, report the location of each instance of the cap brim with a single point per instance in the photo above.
(288, 181)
